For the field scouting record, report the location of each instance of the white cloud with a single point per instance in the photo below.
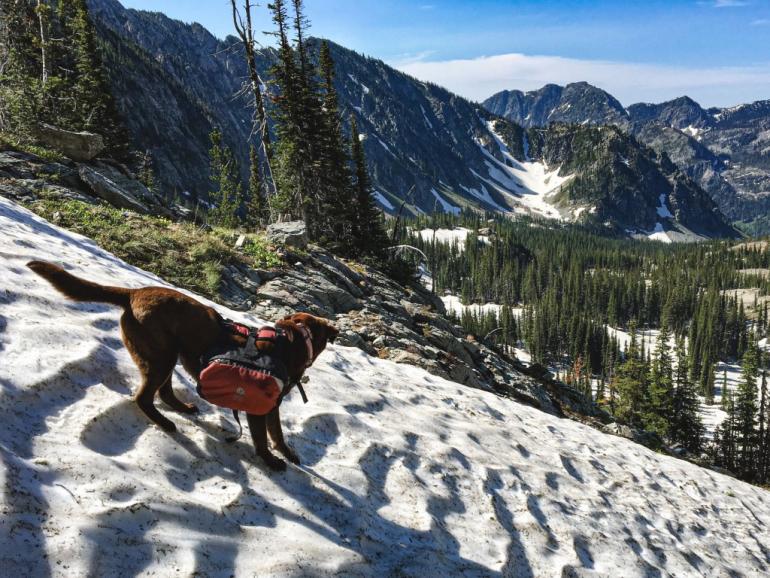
(726, 3)
(481, 77)
(761, 22)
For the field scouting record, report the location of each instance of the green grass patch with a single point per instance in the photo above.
(181, 253)
(10, 141)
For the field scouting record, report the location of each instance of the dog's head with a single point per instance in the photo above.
(321, 330)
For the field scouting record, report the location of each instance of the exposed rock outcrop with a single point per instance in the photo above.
(405, 324)
(290, 234)
(78, 146)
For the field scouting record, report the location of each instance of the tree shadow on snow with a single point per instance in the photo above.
(23, 413)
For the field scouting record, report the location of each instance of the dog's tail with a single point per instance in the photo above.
(80, 289)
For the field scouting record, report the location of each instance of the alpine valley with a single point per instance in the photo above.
(435, 151)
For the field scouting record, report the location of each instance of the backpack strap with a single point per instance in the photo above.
(231, 439)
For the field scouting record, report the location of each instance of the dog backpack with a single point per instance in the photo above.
(245, 378)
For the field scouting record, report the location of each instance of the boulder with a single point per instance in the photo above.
(79, 146)
(109, 190)
(290, 234)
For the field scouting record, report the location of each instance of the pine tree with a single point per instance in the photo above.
(659, 410)
(368, 229)
(290, 167)
(746, 412)
(763, 463)
(631, 384)
(338, 200)
(226, 195)
(256, 209)
(88, 103)
(146, 172)
(21, 77)
(686, 425)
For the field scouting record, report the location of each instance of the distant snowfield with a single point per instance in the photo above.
(404, 473)
(532, 181)
(454, 304)
(454, 236)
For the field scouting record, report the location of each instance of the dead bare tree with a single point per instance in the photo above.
(42, 12)
(242, 21)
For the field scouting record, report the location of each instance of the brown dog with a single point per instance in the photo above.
(160, 326)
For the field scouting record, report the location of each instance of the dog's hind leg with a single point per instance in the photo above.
(258, 429)
(153, 378)
(170, 399)
(276, 434)
(155, 363)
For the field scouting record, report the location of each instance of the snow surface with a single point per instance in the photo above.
(662, 209)
(454, 236)
(404, 473)
(382, 199)
(531, 181)
(364, 88)
(659, 234)
(445, 205)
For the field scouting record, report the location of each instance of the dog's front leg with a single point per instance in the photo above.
(276, 434)
(258, 428)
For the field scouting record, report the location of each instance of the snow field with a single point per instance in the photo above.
(404, 473)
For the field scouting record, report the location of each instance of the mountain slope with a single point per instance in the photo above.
(405, 473)
(725, 151)
(600, 175)
(424, 144)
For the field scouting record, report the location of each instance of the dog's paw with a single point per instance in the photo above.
(290, 455)
(274, 463)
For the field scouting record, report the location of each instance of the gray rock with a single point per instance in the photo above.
(646, 438)
(290, 234)
(107, 189)
(79, 146)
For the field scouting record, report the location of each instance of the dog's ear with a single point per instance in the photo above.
(331, 333)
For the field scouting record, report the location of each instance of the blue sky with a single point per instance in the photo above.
(717, 51)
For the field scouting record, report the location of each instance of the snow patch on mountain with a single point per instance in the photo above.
(380, 198)
(364, 88)
(662, 208)
(446, 206)
(530, 184)
(659, 234)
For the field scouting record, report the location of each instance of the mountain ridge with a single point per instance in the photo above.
(426, 147)
(725, 150)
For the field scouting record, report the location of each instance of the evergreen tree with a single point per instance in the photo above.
(686, 425)
(256, 209)
(368, 230)
(631, 384)
(291, 165)
(659, 411)
(146, 173)
(338, 204)
(21, 70)
(226, 196)
(88, 103)
(746, 412)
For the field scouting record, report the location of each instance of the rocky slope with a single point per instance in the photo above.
(405, 324)
(724, 150)
(423, 143)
